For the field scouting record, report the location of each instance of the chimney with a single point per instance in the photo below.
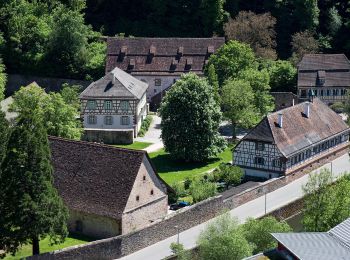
(293, 102)
(113, 79)
(280, 120)
(307, 109)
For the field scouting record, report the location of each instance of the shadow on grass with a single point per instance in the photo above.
(165, 164)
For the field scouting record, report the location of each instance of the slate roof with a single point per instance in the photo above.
(298, 131)
(334, 68)
(334, 244)
(311, 246)
(124, 86)
(160, 56)
(94, 178)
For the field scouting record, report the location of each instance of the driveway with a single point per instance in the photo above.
(254, 208)
(153, 136)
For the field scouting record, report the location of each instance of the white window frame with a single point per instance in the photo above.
(108, 120)
(108, 105)
(92, 120)
(157, 82)
(125, 120)
(91, 105)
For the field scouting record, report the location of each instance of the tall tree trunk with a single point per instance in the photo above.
(35, 242)
(234, 134)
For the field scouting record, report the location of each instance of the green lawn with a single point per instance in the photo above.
(174, 171)
(135, 145)
(26, 250)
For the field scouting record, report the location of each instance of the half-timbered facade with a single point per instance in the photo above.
(326, 76)
(290, 139)
(160, 61)
(113, 104)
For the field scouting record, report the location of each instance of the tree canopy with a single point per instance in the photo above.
(58, 117)
(3, 78)
(190, 120)
(31, 208)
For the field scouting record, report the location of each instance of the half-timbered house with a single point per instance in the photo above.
(292, 139)
(160, 61)
(114, 107)
(326, 76)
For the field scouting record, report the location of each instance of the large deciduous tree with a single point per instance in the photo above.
(283, 76)
(31, 208)
(58, 117)
(303, 43)
(223, 239)
(238, 104)
(258, 232)
(231, 59)
(257, 30)
(190, 120)
(4, 131)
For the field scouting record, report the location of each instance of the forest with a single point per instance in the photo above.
(64, 37)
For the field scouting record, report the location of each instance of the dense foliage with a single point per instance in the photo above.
(31, 208)
(3, 78)
(201, 190)
(190, 120)
(4, 132)
(59, 118)
(145, 125)
(230, 175)
(326, 204)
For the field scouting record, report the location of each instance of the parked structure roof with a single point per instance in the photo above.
(160, 56)
(94, 178)
(115, 84)
(298, 131)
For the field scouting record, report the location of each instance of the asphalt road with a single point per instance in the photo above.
(254, 208)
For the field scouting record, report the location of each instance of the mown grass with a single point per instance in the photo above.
(174, 171)
(45, 246)
(135, 145)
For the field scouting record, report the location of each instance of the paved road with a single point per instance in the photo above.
(254, 208)
(153, 136)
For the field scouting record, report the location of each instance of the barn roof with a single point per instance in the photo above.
(123, 86)
(328, 70)
(160, 56)
(298, 131)
(94, 178)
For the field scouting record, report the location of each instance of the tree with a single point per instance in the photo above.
(259, 81)
(257, 30)
(303, 43)
(231, 175)
(58, 117)
(306, 14)
(213, 81)
(232, 58)
(201, 190)
(3, 78)
(70, 95)
(180, 252)
(223, 239)
(4, 131)
(238, 104)
(190, 120)
(283, 76)
(258, 232)
(31, 208)
(318, 202)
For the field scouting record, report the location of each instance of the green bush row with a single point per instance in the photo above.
(145, 125)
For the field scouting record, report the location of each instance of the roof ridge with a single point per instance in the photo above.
(115, 148)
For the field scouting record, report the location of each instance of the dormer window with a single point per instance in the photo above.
(151, 54)
(321, 77)
(210, 49)
(122, 53)
(108, 105)
(189, 62)
(91, 105)
(131, 64)
(174, 63)
(180, 51)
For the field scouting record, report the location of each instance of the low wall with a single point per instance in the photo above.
(186, 218)
(110, 136)
(15, 81)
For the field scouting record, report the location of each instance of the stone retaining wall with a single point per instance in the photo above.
(116, 247)
(15, 81)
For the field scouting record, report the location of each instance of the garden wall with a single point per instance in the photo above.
(119, 246)
(15, 81)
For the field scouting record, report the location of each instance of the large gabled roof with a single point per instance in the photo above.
(160, 56)
(94, 178)
(323, 62)
(298, 131)
(122, 86)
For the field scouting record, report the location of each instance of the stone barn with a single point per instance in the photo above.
(109, 191)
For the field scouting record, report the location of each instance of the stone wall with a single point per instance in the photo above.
(93, 225)
(15, 81)
(109, 136)
(186, 218)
